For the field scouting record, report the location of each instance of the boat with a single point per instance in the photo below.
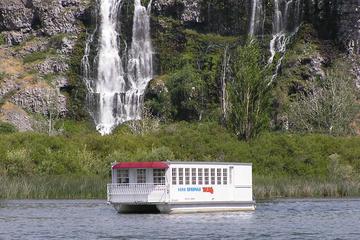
(181, 187)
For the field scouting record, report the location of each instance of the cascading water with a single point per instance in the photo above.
(257, 18)
(140, 66)
(286, 21)
(116, 88)
(110, 84)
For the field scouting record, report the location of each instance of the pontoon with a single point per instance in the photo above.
(178, 187)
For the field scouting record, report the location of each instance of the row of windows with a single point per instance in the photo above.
(199, 176)
(158, 176)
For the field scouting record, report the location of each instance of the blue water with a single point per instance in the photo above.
(284, 219)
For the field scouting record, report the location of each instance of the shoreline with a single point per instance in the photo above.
(94, 187)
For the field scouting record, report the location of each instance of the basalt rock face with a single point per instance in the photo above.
(37, 44)
(38, 40)
(15, 15)
(20, 18)
(221, 17)
(349, 25)
(349, 33)
(338, 20)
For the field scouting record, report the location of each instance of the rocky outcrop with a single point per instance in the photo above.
(20, 19)
(40, 99)
(56, 17)
(223, 17)
(186, 10)
(15, 15)
(16, 116)
(52, 66)
(349, 25)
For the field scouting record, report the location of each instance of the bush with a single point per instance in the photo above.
(2, 39)
(7, 127)
(35, 56)
(88, 153)
(326, 106)
(187, 94)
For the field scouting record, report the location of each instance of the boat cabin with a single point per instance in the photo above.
(181, 186)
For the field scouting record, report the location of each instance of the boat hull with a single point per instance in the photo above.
(174, 208)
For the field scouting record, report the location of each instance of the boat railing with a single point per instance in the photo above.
(136, 192)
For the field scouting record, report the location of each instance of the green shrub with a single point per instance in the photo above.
(2, 39)
(7, 127)
(272, 154)
(35, 56)
(187, 94)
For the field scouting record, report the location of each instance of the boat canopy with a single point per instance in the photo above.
(157, 165)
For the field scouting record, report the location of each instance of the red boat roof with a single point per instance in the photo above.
(157, 165)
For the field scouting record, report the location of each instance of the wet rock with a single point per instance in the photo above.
(186, 10)
(192, 11)
(349, 25)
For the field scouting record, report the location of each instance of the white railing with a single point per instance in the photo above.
(136, 193)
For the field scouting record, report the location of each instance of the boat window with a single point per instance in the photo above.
(181, 176)
(123, 176)
(206, 171)
(200, 176)
(193, 176)
(218, 174)
(159, 176)
(213, 176)
(141, 175)
(187, 176)
(225, 176)
(174, 175)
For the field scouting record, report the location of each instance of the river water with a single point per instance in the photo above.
(81, 219)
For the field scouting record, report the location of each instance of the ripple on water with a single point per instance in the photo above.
(284, 219)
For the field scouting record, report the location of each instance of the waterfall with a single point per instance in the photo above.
(140, 67)
(116, 88)
(110, 82)
(257, 18)
(286, 21)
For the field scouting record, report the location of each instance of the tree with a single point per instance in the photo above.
(186, 89)
(327, 106)
(248, 92)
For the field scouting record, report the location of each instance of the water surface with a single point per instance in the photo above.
(80, 219)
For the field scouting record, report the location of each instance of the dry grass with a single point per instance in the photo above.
(11, 66)
(267, 188)
(53, 187)
(90, 187)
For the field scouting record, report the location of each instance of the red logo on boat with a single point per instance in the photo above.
(208, 189)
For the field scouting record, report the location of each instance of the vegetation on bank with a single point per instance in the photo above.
(77, 164)
(94, 187)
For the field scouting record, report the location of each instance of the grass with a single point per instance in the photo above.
(53, 187)
(94, 187)
(269, 188)
(37, 56)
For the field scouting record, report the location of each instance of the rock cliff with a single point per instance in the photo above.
(42, 43)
